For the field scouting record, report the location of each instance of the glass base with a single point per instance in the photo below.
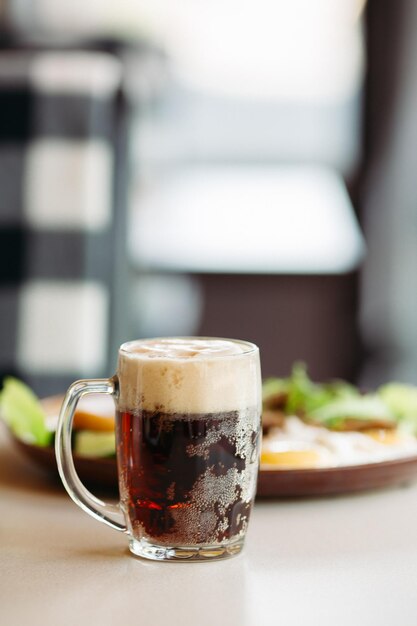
(154, 552)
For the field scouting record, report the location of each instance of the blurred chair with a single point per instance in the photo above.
(63, 147)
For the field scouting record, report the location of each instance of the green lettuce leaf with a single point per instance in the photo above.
(364, 408)
(401, 399)
(331, 403)
(23, 413)
(303, 395)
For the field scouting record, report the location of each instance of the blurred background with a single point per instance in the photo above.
(237, 169)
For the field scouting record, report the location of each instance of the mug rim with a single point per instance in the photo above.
(252, 348)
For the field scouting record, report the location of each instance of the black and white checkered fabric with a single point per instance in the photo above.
(62, 211)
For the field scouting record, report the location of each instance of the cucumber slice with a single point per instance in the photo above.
(92, 444)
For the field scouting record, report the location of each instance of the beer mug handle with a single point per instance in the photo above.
(108, 513)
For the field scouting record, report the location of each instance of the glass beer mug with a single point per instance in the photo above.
(187, 438)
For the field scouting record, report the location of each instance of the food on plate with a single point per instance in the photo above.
(94, 444)
(94, 412)
(299, 445)
(311, 425)
(280, 453)
(306, 425)
(34, 421)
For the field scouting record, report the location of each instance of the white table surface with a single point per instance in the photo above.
(336, 561)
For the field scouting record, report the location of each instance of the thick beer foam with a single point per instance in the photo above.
(188, 375)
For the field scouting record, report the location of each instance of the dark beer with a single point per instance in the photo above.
(188, 423)
(188, 479)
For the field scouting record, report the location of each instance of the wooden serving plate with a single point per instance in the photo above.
(102, 472)
(94, 472)
(271, 483)
(336, 480)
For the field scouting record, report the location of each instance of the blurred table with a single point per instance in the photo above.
(347, 560)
